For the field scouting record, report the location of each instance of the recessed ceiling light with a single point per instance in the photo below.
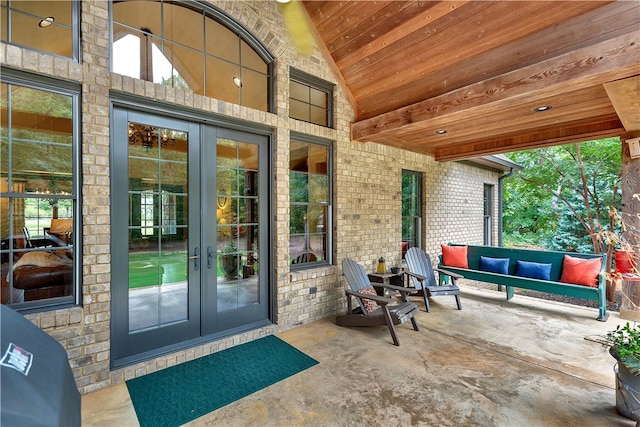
(237, 81)
(45, 22)
(440, 132)
(542, 108)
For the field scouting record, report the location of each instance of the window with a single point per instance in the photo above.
(222, 61)
(411, 210)
(38, 191)
(310, 189)
(488, 214)
(310, 99)
(47, 26)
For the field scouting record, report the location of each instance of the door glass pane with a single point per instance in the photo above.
(158, 230)
(237, 224)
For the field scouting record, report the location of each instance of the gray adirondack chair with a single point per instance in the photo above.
(422, 277)
(388, 311)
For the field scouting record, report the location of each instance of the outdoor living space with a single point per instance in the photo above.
(523, 362)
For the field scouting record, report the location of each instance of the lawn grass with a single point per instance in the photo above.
(152, 269)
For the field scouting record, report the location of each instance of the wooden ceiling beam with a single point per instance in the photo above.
(625, 97)
(597, 64)
(572, 132)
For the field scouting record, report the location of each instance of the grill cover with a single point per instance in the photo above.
(38, 388)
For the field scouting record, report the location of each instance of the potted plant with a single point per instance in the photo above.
(624, 343)
(230, 260)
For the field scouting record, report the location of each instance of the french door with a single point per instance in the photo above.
(189, 233)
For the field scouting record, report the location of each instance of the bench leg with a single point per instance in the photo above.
(603, 316)
(509, 292)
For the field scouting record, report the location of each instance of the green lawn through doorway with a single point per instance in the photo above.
(148, 269)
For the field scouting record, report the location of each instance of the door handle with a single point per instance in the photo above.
(196, 258)
(209, 257)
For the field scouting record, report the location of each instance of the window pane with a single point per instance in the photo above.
(319, 116)
(298, 219)
(61, 10)
(220, 83)
(299, 110)
(298, 156)
(3, 23)
(318, 188)
(251, 59)
(318, 98)
(299, 187)
(139, 14)
(178, 67)
(254, 90)
(126, 52)
(248, 156)
(299, 92)
(56, 159)
(56, 38)
(176, 19)
(221, 42)
(318, 159)
(316, 219)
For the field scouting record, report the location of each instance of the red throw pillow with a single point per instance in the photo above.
(579, 271)
(455, 256)
(369, 304)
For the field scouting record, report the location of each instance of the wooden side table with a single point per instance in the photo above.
(387, 278)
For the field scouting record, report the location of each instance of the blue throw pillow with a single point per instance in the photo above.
(533, 270)
(494, 265)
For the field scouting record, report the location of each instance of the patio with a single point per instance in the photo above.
(525, 362)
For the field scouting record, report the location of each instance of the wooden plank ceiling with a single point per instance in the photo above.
(477, 69)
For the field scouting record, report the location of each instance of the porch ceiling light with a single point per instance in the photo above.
(440, 132)
(45, 22)
(542, 108)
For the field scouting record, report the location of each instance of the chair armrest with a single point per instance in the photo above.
(380, 300)
(449, 273)
(420, 277)
(400, 289)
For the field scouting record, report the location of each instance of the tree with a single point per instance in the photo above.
(564, 193)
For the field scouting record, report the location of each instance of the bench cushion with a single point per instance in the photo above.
(581, 271)
(494, 265)
(533, 270)
(455, 256)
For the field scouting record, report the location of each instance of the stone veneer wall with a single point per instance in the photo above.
(367, 193)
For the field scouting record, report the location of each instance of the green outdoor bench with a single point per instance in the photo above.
(511, 281)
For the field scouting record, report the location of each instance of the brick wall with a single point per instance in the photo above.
(367, 200)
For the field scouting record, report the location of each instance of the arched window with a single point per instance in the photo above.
(46, 26)
(203, 51)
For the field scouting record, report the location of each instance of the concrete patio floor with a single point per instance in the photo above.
(526, 362)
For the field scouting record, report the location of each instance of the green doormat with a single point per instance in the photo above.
(184, 392)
